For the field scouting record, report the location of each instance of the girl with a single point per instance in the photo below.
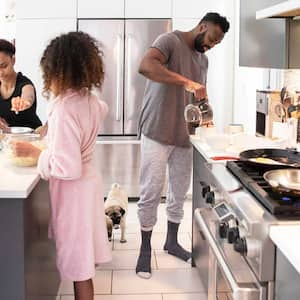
(71, 66)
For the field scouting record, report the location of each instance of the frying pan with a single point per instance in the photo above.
(285, 181)
(279, 158)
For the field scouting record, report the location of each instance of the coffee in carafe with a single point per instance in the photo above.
(197, 113)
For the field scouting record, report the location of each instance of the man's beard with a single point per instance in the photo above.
(199, 43)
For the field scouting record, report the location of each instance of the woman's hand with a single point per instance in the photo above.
(25, 149)
(3, 124)
(19, 104)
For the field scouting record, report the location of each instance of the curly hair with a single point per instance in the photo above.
(216, 19)
(72, 61)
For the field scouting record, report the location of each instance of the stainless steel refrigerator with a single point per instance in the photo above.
(123, 42)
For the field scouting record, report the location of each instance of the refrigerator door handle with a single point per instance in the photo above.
(119, 76)
(129, 74)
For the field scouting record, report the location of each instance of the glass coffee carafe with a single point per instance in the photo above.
(197, 113)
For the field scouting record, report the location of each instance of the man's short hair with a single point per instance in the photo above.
(216, 19)
(7, 47)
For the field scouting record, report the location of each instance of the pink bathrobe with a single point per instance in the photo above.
(77, 204)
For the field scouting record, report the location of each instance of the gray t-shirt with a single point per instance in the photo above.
(162, 115)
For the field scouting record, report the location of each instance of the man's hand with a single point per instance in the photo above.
(25, 149)
(19, 104)
(198, 89)
(3, 124)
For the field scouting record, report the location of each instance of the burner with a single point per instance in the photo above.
(278, 203)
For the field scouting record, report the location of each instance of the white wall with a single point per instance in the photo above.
(7, 19)
(220, 84)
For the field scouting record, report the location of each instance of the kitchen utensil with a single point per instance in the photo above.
(197, 113)
(284, 181)
(8, 147)
(18, 130)
(224, 158)
(263, 158)
(204, 131)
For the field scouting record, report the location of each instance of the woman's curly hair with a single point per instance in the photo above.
(72, 61)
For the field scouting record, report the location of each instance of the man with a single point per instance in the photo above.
(175, 65)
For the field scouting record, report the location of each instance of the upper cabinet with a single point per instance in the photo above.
(119, 9)
(197, 8)
(284, 9)
(100, 9)
(267, 43)
(148, 9)
(39, 9)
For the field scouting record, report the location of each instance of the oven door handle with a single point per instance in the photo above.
(244, 291)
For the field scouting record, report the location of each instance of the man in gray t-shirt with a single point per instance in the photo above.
(175, 66)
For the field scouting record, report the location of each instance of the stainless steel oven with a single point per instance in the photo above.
(227, 272)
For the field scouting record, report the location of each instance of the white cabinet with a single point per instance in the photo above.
(32, 36)
(197, 8)
(39, 9)
(100, 9)
(148, 9)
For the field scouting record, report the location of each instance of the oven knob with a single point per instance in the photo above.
(240, 246)
(232, 235)
(223, 229)
(210, 197)
(205, 189)
(253, 247)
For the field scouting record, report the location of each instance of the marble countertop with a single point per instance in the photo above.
(16, 182)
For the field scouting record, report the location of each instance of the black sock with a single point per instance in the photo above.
(143, 266)
(171, 244)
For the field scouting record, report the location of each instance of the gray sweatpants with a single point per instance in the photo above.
(156, 159)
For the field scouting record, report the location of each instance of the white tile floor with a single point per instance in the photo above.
(172, 279)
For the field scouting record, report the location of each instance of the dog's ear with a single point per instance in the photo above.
(122, 211)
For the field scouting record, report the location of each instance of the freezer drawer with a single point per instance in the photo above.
(119, 162)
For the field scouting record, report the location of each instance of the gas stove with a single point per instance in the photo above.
(279, 204)
(234, 208)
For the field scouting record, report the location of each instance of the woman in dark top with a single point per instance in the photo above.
(17, 93)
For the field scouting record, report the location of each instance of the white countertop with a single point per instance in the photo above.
(286, 238)
(16, 182)
(238, 144)
(207, 152)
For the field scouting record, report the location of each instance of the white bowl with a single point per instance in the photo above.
(218, 141)
(203, 132)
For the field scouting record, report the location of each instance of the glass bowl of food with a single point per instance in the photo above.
(26, 160)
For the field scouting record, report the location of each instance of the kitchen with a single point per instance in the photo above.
(233, 100)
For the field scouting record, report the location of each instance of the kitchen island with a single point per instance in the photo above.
(27, 256)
